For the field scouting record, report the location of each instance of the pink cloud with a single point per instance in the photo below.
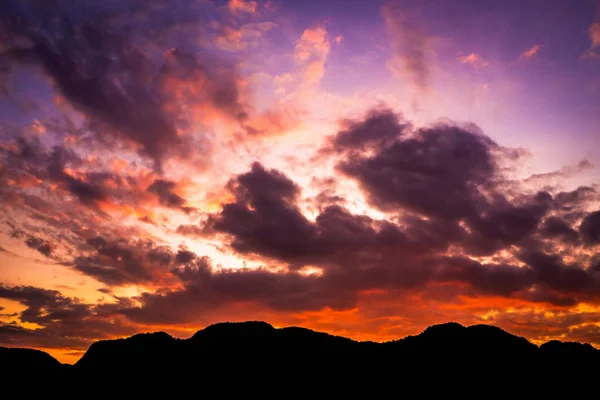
(473, 59)
(311, 53)
(531, 51)
(242, 6)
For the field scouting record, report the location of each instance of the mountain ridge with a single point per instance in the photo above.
(241, 339)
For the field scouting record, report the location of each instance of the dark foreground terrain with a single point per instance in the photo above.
(256, 349)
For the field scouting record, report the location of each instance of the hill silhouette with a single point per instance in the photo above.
(17, 358)
(250, 347)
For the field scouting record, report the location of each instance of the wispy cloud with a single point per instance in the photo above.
(531, 52)
(410, 45)
(474, 60)
(594, 35)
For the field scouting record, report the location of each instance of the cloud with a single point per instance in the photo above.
(248, 35)
(206, 289)
(594, 32)
(63, 322)
(410, 45)
(118, 262)
(41, 245)
(590, 228)
(436, 171)
(96, 66)
(531, 52)
(369, 261)
(265, 220)
(442, 173)
(164, 190)
(194, 231)
(311, 53)
(555, 227)
(263, 211)
(54, 167)
(428, 241)
(275, 121)
(564, 172)
(379, 128)
(474, 60)
(594, 35)
(242, 6)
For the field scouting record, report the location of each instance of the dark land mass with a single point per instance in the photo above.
(256, 349)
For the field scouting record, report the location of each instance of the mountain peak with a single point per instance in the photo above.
(445, 328)
(246, 328)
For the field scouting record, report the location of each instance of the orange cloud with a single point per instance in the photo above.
(473, 59)
(275, 121)
(532, 51)
(594, 32)
(311, 53)
(242, 6)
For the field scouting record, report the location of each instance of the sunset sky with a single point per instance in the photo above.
(363, 168)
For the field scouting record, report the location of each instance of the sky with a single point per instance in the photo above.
(363, 168)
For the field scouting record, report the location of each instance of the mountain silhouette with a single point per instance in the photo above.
(16, 358)
(258, 348)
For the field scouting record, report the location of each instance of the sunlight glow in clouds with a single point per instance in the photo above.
(366, 170)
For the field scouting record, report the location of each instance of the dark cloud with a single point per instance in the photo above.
(45, 306)
(499, 279)
(263, 211)
(88, 190)
(184, 256)
(371, 259)
(205, 290)
(570, 201)
(445, 188)
(545, 279)
(101, 73)
(41, 245)
(266, 220)
(191, 230)
(79, 233)
(438, 172)
(380, 127)
(164, 190)
(503, 224)
(551, 270)
(49, 165)
(121, 261)
(60, 167)
(446, 174)
(556, 227)
(590, 228)
(65, 322)
(95, 61)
